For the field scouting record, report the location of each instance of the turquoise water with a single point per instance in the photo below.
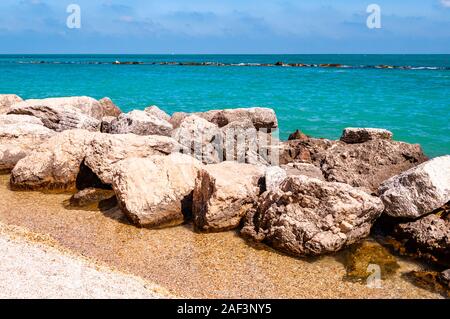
(414, 103)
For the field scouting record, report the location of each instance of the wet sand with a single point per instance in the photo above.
(186, 263)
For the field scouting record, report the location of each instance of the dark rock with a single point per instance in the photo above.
(90, 196)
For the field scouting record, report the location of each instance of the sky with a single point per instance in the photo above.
(224, 26)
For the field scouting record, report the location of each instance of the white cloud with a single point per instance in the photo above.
(445, 3)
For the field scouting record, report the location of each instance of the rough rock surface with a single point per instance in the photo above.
(309, 150)
(90, 196)
(107, 108)
(306, 169)
(140, 123)
(156, 111)
(297, 135)
(260, 117)
(106, 124)
(369, 164)
(18, 140)
(428, 236)
(7, 100)
(445, 278)
(418, 191)
(275, 176)
(200, 139)
(19, 119)
(362, 135)
(224, 193)
(79, 156)
(58, 118)
(309, 217)
(156, 191)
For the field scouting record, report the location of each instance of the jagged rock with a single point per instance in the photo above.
(369, 164)
(156, 191)
(156, 111)
(306, 216)
(68, 158)
(177, 118)
(19, 119)
(200, 139)
(306, 169)
(58, 118)
(310, 150)
(224, 193)
(140, 123)
(445, 278)
(18, 140)
(428, 237)
(90, 196)
(418, 191)
(260, 117)
(297, 135)
(107, 108)
(362, 135)
(7, 100)
(106, 124)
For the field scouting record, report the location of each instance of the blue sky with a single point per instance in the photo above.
(225, 26)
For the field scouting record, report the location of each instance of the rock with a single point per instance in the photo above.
(106, 124)
(57, 118)
(79, 157)
(86, 105)
(19, 119)
(260, 117)
(362, 135)
(156, 191)
(140, 123)
(107, 108)
(445, 277)
(7, 100)
(177, 118)
(297, 135)
(429, 280)
(90, 196)
(200, 139)
(310, 150)
(275, 176)
(224, 193)
(428, 237)
(306, 169)
(306, 216)
(369, 164)
(156, 111)
(18, 140)
(418, 191)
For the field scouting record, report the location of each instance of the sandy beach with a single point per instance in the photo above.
(55, 243)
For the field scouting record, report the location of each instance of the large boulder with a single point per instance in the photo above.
(81, 159)
(7, 100)
(276, 175)
(19, 119)
(260, 117)
(18, 140)
(156, 111)
(428, 237)
(305, 150)
(369, 164)
(156, 191)
(418, 191)
(224, 193)
(86, 105)
(362, 135)
(306, 216)
(200, 139)
(140, 123)
(57, 117)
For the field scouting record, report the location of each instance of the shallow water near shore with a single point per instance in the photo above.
(189, 264)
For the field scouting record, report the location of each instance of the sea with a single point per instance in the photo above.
(321, 95)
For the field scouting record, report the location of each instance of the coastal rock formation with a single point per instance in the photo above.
(105, 127)
(260, 117)
(306, 216)
(445, 278)
(368, 164)
(297, 135)
(307, 150)
(7, 100)
(18, 140)
(200, 139)
(81, 157)
(418, 191)
(428, 237)
(156, 111)
(156, 191)
(90, 196)
(86, 105)
(19, 119)
(57, 118)
(224, 193)
(177, 118)
(274, 177)
(306, 169)
(140, 123)
(362, 135)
